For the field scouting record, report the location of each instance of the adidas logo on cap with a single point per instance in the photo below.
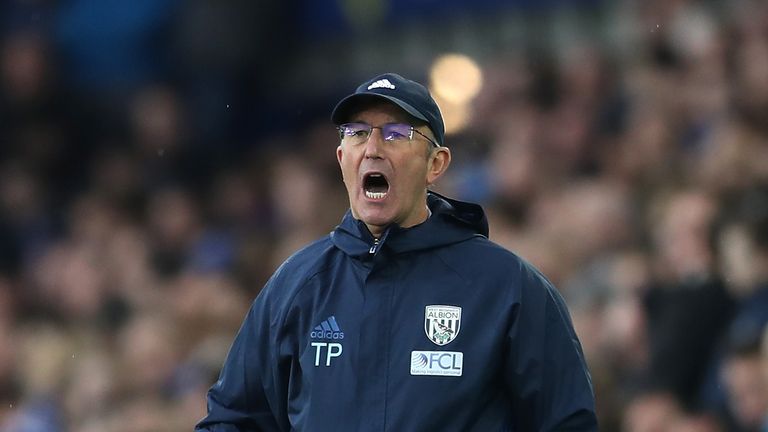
(328, 329)
(382, 83)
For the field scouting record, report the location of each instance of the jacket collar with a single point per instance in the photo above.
(452, 221)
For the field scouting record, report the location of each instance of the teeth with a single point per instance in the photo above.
(375, 195)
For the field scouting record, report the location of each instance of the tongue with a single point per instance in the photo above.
(376, 184)
(376, 188)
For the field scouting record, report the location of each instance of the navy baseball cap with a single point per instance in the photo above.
(409, 95)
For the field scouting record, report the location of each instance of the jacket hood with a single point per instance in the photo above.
(452, 221)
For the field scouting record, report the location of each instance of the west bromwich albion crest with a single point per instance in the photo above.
(442, 323)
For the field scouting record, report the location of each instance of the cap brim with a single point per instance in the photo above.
(344, 108)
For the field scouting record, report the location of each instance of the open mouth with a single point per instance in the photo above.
(375, 186)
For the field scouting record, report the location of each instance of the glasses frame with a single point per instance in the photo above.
(411, 130)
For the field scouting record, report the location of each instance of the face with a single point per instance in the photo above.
(747, 392)
(736, 259)
(387, 180)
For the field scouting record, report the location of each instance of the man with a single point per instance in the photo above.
(406, 317)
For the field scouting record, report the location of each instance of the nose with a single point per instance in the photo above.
(375, 144)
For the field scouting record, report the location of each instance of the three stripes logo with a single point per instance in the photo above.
(382, 83)
(328, 330)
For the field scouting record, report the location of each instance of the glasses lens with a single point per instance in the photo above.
(396, 131)
(355, 133)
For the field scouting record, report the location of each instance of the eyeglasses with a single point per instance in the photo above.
(358, 133)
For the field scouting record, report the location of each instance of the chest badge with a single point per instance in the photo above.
(442, 323)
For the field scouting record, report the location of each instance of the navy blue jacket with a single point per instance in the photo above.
(431, 328)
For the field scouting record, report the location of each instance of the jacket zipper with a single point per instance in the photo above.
(372, 250)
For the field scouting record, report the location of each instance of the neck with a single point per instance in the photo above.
(376, 230)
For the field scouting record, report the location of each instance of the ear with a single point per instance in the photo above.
(339, 154)
(438, 164)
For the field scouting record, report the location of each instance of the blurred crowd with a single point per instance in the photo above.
(148, 190)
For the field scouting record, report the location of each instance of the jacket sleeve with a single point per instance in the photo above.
(249, 394)
(547, 376)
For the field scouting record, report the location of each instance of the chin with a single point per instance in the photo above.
(377, 221)
(375, 217)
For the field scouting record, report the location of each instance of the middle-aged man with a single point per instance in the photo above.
(405, 317)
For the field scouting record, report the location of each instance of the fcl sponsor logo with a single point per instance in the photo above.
(437, 363)
(442, 323)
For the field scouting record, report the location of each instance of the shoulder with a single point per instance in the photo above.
(270, 306)
(481, 260)
(291, 276)
(481, 253)
(304, 263)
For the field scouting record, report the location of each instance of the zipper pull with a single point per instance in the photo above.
(372, 250)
